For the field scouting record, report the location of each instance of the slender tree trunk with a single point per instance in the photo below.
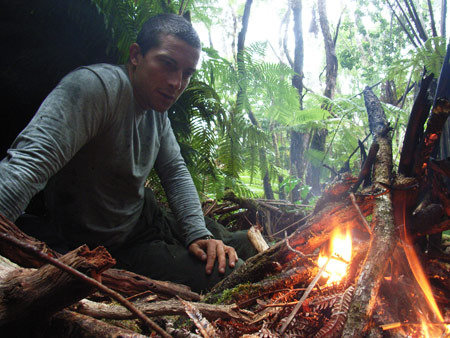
(299, 140)
(443, 17)
(281, 193)
(330, 52)
(320, 135)
(241, 98)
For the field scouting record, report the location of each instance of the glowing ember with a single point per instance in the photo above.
(341, 247)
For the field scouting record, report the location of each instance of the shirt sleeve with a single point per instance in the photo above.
(68, 118)
(179, 187)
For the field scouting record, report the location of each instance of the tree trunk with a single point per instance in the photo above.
(330, 52)
(242, 94)
(31, 294)
(299, 140)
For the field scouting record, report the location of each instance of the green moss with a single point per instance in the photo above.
(228, 296)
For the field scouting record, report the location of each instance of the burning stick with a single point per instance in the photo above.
(302, 300)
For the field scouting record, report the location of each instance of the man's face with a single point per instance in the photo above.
(162, 74)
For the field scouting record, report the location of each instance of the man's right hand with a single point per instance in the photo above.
(211, 249)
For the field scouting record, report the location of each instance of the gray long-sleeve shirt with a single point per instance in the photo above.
(92, 147)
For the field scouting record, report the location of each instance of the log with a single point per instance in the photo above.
(32, 294)
(384, 238)
(70, 324)
(130, 284)
(426, 221)
(122, 281)
(163, 308)
(436, 122)
(414, 131)
(255, 237)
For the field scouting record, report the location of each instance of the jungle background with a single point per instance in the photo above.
(275, 109)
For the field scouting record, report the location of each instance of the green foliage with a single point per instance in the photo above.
(430, 57)
(212, 118)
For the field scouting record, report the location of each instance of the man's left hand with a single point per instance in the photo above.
(211, 249)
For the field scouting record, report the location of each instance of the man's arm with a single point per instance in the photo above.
(184, 202)
(66, 120)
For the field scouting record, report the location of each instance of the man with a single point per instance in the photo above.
(92, 144)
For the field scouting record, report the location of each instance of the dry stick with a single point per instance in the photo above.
(35, 252)
(302, 300)
(352, 197)
(210, 208)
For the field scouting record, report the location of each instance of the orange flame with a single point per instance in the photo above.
(340, 247)
(419, 275)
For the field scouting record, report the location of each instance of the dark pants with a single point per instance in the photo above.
(156, 250)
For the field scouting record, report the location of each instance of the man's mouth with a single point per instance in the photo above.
(167, 96)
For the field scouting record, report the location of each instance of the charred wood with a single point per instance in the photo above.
(436, 122)
(414, 130)
(426, 221)
(366, 169)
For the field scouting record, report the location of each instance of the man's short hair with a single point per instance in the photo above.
(166, 24)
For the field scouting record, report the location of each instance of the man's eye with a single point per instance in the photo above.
(168, 63)
(187, 75)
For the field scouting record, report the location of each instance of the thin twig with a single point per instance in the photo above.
(210, 208)
(367, 226)
(302, 300)
(301, 254)
(91, 281)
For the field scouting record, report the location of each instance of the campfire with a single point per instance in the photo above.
(358, 265)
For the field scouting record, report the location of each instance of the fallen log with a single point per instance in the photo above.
(32, 294)
(70, 324)
(125, 282)
(163, 308)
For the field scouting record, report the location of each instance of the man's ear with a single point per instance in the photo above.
(135, 51)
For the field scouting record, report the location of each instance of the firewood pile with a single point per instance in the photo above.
(364, 262)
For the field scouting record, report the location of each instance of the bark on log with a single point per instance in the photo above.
(130, 283)
(163, 308)
(384, 238)
(122, 281)
(38, 293)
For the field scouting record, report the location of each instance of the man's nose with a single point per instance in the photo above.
(176, 79)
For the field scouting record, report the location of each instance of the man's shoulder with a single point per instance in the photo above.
(105, 71)
(110, 79)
